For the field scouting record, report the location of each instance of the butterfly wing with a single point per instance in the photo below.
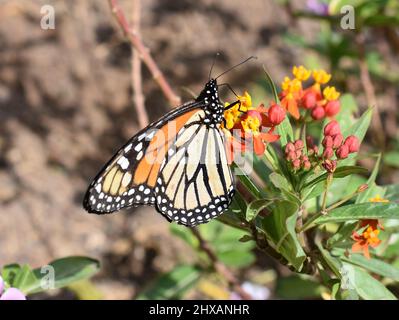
(195, 183)
(177, 164)
(129, 178)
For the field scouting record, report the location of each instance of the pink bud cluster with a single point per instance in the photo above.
(295, 155)
(334, 143)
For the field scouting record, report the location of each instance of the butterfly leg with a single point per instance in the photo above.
(231, 105)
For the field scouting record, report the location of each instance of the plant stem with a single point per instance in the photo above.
(308, 224)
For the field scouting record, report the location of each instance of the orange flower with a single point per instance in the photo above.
(250, 128)
(290, 96)
(368, 237)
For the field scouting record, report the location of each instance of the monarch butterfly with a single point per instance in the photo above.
(177, 164)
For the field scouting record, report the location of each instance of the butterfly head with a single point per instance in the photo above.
(212, 106)
(209, 93)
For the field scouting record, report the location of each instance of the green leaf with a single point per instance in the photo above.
(67, 270)
(226, 245)
(247, 182)
(184, 234)
(172, 285)
(296, 287)
(364, 196)
(280, 230)
(26, 280)
(272, 85)
(367, 286)
(340, 172)
(374, 265)
(345, 117)
(343, 234)
(284, 128)
(358, 129)
(285, 131)
(9, 272)
(392, 192)
(361, 211)
(255, 207)
(333, 263)
(279, 181)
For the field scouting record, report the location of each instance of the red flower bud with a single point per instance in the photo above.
(332, 128)
(342, 152)
(330, 165)
(332, 108)
(306, 165)
(253, 114)
(289, 147)
(298, 144)
(304, 158)
(296, 164)
(291, 156)
(328, 153)
(318, 113)
(327, 142)
(298, 154)
(337, 140)
(352, 143)
(309, 100)
(276, 114)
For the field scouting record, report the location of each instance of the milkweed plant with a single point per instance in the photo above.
(303, 201)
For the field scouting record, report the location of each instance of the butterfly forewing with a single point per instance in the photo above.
(130, 176)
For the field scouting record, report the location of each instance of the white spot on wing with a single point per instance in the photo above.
(123, 162)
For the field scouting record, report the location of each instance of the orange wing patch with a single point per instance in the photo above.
(148, 168)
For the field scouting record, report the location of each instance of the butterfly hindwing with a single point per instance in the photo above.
(195, 183)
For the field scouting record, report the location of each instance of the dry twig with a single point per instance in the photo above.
(144, 53)
(137, 81)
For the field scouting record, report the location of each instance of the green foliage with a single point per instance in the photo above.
(305, 218)
(57, 274)
(172, 285)
(361, 211)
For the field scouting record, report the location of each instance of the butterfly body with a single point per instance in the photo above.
(177, 164)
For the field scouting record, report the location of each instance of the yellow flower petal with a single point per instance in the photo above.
(321, 76)
(330, 93)
(301, 73)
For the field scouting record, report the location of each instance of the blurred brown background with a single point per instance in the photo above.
(66, 106)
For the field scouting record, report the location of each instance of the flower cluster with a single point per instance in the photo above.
(10, 293)
(247, 126)
(335, 148)
(333, 143)
(294, 153)
(320, 102)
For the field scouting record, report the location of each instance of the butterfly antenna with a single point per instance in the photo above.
(235, 66)
(213, 63)
(229, 87)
